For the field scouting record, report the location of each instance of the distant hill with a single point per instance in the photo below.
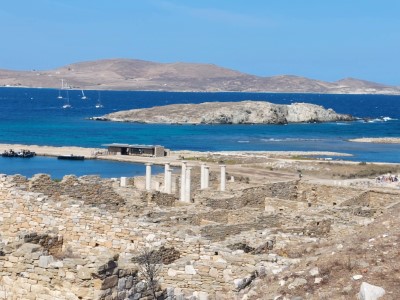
(129, 74)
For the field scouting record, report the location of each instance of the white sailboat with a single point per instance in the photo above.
(59, 91)
(83, 96)
(67, 105)
(98, 104)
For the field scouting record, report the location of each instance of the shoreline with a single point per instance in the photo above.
(177, 156)
(199, 91)
(99, 153)
(174, 158)
(379, 140)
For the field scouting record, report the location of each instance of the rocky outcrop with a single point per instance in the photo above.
(245, 112)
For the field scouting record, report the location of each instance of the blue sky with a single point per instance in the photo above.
(324, 39)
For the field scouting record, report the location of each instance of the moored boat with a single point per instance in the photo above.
(71, 157)
(22, 153)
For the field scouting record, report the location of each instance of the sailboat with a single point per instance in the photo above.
(98, 104)
(83, 96)
(59, 91)
(67, 105)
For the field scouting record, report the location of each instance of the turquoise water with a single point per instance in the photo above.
(35, 116)
(59, 168)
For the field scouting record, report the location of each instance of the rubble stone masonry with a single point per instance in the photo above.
(75, 239)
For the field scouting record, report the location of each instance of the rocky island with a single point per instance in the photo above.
(245, 112)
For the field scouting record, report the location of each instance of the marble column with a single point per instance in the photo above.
(223, 177)
(148, 176)
(202, 176)
(168, 187)
(206, 177)
(166, 168)
(183, 180)
(187, 184)
(123, 181)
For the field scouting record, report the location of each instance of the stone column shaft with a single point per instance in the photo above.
(187, 184)
(183, 181)
(206, 177)
(166, 168)
(223, 177)
(148, 176)
(202, 176)
(168, 187)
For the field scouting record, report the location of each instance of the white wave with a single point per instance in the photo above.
(289, 140)
(388, 119)
(381, 119)
(243, 141)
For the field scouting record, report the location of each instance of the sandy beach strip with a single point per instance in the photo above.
(380, 140)
(50, 150)
(262, 153)
(175, 157)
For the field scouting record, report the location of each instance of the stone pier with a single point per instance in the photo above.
(166, 168)
(168, 187)
(223, 178)
(202, 176)
(188, 184)
(183, 180)
(206, 177)
(148, 176)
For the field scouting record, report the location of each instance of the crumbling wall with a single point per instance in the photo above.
(63, 247)
(325, 194)
(220, 232)
(90, 234)
(362, 199)
(91, 189)
(249, 197)
(383, 199)
(29, 271)
(162, 199)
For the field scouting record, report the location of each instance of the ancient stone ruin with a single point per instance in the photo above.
(80, 238)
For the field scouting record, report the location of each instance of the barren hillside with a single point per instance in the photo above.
(129, 74)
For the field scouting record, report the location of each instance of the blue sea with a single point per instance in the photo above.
(36, 116)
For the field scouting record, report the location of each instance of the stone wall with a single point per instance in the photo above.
(383, 199)
(91, 189)
(249, 197)
(325, 194)
(93, 260)
(75, 239)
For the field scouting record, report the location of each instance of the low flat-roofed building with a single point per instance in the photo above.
(142, 150)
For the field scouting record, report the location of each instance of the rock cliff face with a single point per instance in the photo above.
(245, 112)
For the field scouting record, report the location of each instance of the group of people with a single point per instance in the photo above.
(387, 178)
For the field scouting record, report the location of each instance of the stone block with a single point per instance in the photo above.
(45, 260)
(121, 284)
(70, 275)
(129, 282)
(109, 282)
(13, 259)
(370, 292)
(189, 269)
(213, 272)
(8, 264)
(84, 273)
